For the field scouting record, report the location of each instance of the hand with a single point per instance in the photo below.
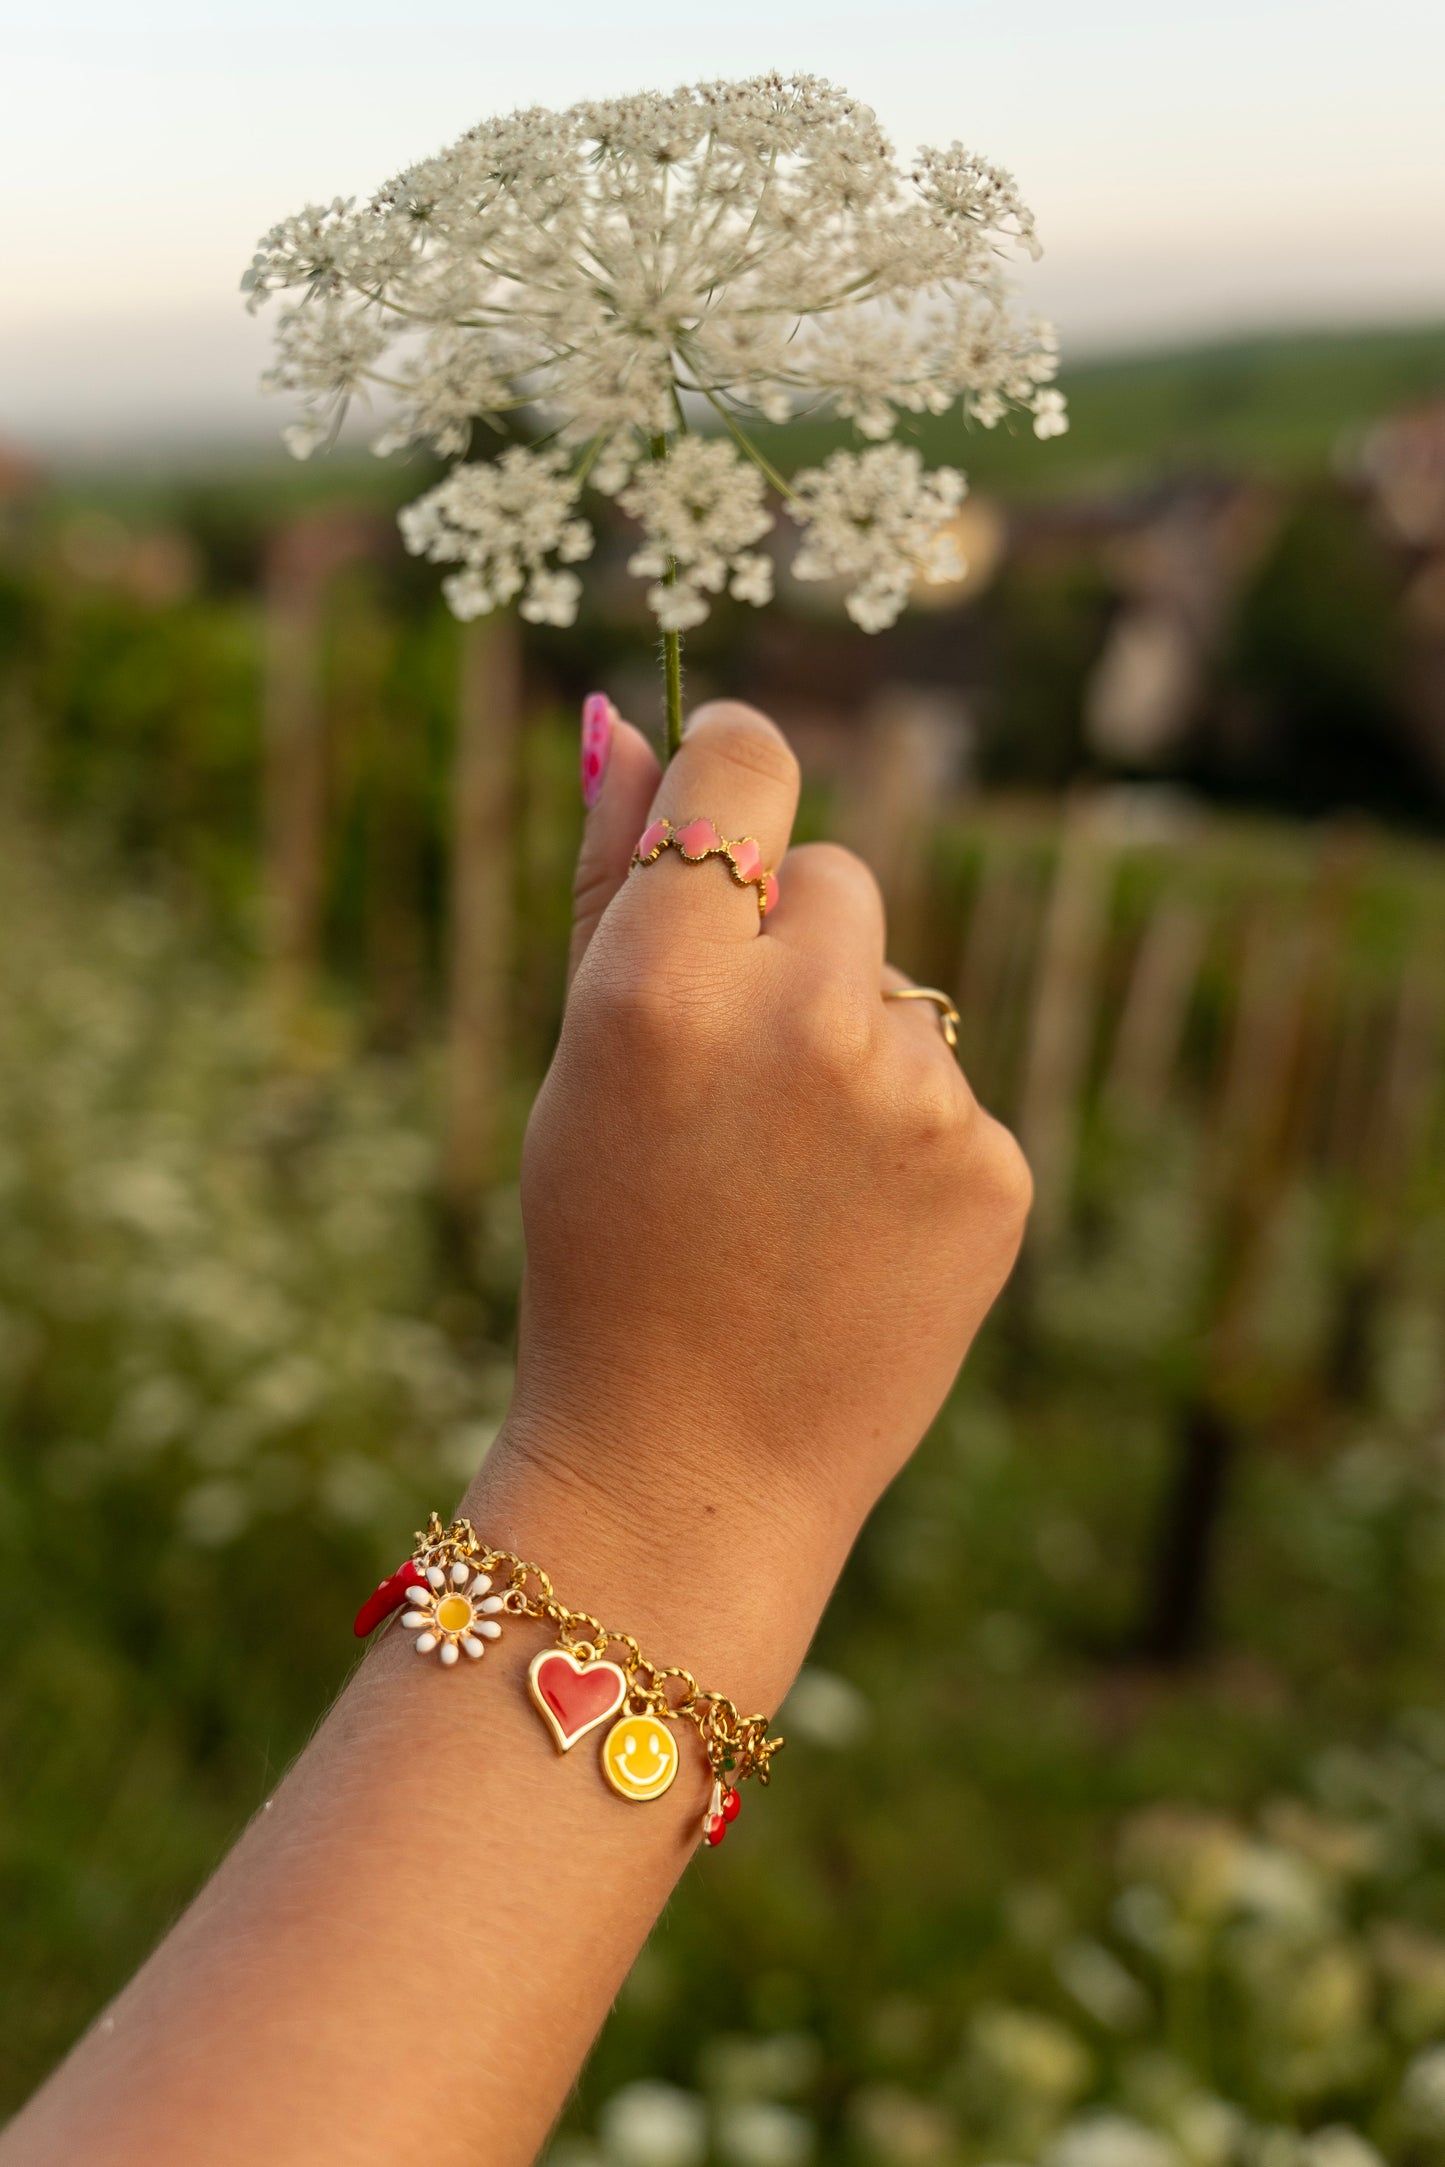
(765, 1214)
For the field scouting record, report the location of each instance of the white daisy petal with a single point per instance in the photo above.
(472, 1645)
(480, 1584)
(416, 1594)
(491, 1606)
(459, 1575)
(489, 1628)
(449, 1652)
(424, 1643)
(414, 1620)
(436, 1576)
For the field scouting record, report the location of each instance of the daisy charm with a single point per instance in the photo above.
(453, 1610)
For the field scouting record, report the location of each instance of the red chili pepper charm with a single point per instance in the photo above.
(388, 1597)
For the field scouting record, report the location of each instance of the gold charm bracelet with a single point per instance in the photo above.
(452, 1598)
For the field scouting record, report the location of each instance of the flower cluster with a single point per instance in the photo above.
(600, 280)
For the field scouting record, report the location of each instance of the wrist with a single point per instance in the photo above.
(726, 1577)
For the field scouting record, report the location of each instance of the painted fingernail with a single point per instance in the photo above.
(597, 714)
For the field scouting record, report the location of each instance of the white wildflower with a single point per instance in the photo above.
(327, 349)
(1050, 415)
(826, 1710)
(699, 511)
(503, 522)
(1422, 2095)
(876, 521)
(1111, 2140)
(456, 379)
(1101, 1985)
(1337, 2146)
(596, 275)
(759, 2133)
(653, 2125)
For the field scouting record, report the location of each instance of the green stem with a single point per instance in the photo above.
(671, 652)
(672, 678)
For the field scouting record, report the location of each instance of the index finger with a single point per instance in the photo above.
(737, 770)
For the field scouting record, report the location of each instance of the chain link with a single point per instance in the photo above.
(736, 1746)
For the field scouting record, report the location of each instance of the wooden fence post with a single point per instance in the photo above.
(1061, 1028)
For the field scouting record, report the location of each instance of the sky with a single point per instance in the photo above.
(1195, 171)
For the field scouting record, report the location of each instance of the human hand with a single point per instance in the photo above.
(765, 1214)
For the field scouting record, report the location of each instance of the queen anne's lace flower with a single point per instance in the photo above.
(877, 522)
(603, 275)
(700, 510)
(503, 521)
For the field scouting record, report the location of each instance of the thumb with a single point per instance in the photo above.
(620, 774)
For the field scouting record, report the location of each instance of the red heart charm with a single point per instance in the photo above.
(697, 839)
(573, 1697)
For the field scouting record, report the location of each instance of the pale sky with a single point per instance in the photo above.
(1195, 170)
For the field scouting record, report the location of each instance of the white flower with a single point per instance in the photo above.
(749, 247)
(504, 521)
(1050, 416)
(1337, 2146)
(699, 510)
(759, 2133)
(1422, 2095)
(875, 520)
(826, 1710)
(653, 2125)
(1111, 2140)
(449, 1613)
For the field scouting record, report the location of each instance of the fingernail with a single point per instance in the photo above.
(597, 713)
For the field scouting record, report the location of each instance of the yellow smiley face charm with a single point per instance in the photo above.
(639, 1757)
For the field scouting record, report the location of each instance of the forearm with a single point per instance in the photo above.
(432, 1876)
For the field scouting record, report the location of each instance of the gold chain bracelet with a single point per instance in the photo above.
(452, 1600)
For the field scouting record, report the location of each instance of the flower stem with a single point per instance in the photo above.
(672, 680)
(671, 653)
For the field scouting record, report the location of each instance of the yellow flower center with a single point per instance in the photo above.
(454, 1613)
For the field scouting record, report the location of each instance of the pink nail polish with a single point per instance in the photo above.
(597, 714)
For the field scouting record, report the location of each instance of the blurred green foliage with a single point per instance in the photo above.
(1019, 1894)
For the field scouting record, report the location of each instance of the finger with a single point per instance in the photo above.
(918, 1021)
(830, 906)
(737, 770)
(619, 776)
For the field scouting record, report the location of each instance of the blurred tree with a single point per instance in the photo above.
(1045, 619)
(1314, 713)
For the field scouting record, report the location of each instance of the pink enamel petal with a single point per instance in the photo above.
(698, 838)
(652, 838)
(747, 858)
(769, 893)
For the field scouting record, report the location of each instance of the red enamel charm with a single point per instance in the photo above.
(573, 1697)
(389, 1596)
(732, 1805)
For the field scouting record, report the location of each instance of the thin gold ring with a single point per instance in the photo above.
(947, 1013)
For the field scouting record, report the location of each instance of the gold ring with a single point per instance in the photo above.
(947, 1013)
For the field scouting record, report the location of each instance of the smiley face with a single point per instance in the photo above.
(639, 1757)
